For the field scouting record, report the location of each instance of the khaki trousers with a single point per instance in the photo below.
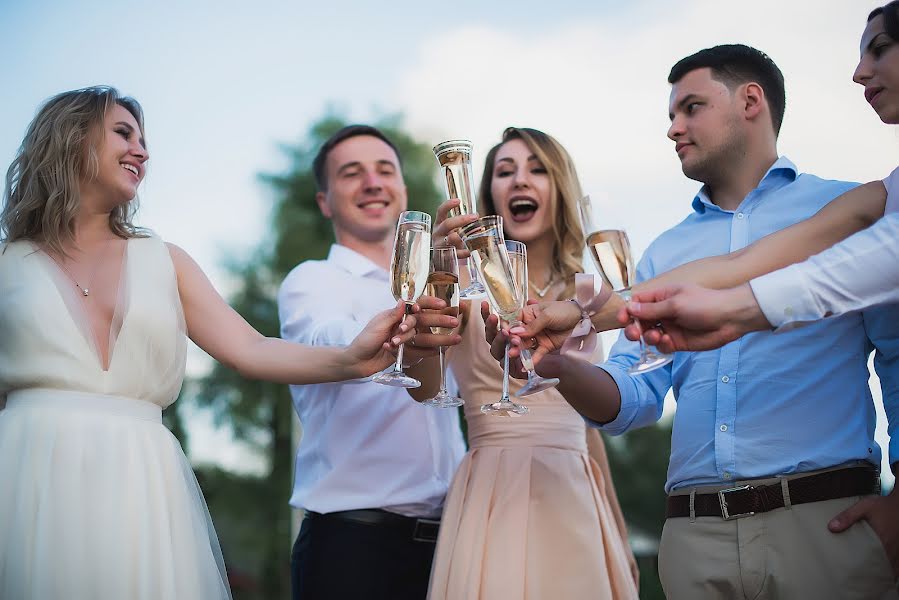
(787, 553)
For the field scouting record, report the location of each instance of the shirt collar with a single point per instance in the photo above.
(353, 262)
(782, 170)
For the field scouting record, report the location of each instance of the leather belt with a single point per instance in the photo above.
(747, 500)
(420, 530)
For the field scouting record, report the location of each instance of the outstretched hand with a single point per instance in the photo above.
(374, 349)
(446, 228)
(690, 317)
(546, 327)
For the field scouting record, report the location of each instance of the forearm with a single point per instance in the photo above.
(848, 214)
(280, 361)
(427, 371)
(589, 390)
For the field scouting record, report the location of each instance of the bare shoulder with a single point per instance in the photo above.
(185, 266)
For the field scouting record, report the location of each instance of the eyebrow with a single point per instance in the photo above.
(130, 129)
(681, 103)
(874, 39)
(510, 160)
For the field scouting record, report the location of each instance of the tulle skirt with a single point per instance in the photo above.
(98, 502)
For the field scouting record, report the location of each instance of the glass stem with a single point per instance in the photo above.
(505, 398)
(398, 367)
(472, 271)
(524, 353)
(443, 391)
(626, 296)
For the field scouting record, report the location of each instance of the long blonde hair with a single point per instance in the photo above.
(565, 191)
(59, 150)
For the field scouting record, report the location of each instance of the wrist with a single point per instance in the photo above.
(745, 311)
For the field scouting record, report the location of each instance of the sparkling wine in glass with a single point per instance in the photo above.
(454, 157)
(518, 257)
(443, 283)
(611, 252)
(484, 239)
(409, 268)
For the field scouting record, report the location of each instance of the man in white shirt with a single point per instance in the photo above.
(373, 467)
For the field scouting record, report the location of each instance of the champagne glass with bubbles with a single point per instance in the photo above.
(454, 157)
(611, 253)
(484, 239)
(409, 269)
(443, 283)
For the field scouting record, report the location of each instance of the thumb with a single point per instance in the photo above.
(652, 311)
(851, 515)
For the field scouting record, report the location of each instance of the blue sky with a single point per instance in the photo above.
(224, 84)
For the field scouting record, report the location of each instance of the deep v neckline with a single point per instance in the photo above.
(121, 309)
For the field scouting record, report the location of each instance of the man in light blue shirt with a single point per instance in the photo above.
(789, 415)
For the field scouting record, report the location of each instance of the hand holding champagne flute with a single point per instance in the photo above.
(443, 283)
(409, 269)
(611, 253)
(454, 157)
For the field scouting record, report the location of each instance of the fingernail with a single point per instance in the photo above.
(517, 330)
(634, 307)
(396, 341)
(834, 523)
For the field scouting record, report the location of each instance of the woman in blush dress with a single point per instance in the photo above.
(531, 512)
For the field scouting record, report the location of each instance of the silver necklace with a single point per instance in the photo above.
(542, 291)
(85, 289)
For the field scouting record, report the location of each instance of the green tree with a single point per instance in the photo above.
(260, 413)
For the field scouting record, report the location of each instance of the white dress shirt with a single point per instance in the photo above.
(364, 445)
(861, 271)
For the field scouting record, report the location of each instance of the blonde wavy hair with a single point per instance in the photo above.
(565, 191)
(60, 149)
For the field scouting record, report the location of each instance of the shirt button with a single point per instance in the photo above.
(739, 215)
(725, 379)
(723, 428)
(727, 474)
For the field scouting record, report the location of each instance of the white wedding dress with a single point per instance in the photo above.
(97, 500)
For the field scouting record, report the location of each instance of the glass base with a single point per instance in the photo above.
(536, 384)
(650, 362)
(396, 379)
(474, 290)
(504, 409)
(444, 400)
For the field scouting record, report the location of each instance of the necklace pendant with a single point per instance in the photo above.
(85, 291)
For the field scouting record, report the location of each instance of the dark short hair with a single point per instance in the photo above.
(890, 12)
(735, 64)
(345, 133)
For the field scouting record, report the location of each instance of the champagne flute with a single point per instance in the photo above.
(443, 283)
(518, 256)
(408, 278)
(484, 239)
(454, 157)
(611, 252)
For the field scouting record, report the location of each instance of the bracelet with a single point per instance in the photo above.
(582, 341)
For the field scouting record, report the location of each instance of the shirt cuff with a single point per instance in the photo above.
(785, 298)
(628, 411)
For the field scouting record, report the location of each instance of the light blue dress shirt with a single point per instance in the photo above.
(769, 403)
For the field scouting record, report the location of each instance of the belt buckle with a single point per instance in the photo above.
(425, 530)
(723, 501)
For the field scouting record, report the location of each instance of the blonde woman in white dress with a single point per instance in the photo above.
(97, 500)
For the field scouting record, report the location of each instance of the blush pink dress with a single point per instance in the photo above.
(530, 513)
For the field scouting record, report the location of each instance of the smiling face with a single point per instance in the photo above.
(878, 70)
(121, 157)
(365, 190)
(522, 192)
(705, 125)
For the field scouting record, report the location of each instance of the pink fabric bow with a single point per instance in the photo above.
(582, 341)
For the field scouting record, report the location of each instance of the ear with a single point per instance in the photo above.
(754, 101)
(322, 200)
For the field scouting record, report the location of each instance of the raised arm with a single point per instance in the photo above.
(847, 214)
(219, 330)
